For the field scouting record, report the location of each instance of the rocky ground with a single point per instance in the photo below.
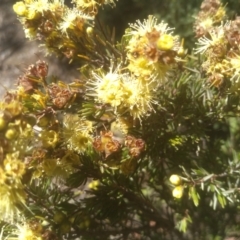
(17, 52)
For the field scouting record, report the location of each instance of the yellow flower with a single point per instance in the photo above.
(140, 66)
(235, 67)
(49, 138)
(38, 6)
(110, 89)
(12, 192)
(165, 42)
(152, 49)
(10, 198)
(216, 39)
(56, 5)
(20, 8)
(15, 108)
(30, 33)
(24, 232)
(91, 6)
(122, 91)
(77, 133)
(207, 23)
(13, 166)
(147, 26)
(68, 20)
(177, 192)
(87, 6)
(73, 19)
(52, 168)
(139, 100)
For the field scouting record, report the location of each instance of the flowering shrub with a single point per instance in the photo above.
(142, 146)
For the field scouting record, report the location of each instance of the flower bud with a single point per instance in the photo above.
(89, 31)
(43, 121)
(165, 42)
(175, 180)
(11, 134)
(58, 217)
(93, 184)
(65, 227)
(181, 51)
(19, 8)
(85, 223)
(177, 192)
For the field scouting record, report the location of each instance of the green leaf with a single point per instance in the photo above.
(194, 195)
(207, 177)
(221, 200)
(214, 201)
(182, 225)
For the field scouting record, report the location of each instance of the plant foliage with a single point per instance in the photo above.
(144, 145)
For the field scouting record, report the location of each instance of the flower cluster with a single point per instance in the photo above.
(152, 51)
(129, 86)
(219, 43)
(91, 7)
(12, 194)
(15, 135)
(212, 13)
(31, 144)
(60, 28)
(128, 95)
(30, 230)
(77, 133)
(122, 92)
(63, 30)
(25, 231)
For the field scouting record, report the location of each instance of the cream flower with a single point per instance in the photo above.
(77, 133)
(24, 232)
(216, 38)
(122, 91)
(235, 67)
(73, 18)
(37, 6)
(149, 25)
(152, 49)
(10, 197)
